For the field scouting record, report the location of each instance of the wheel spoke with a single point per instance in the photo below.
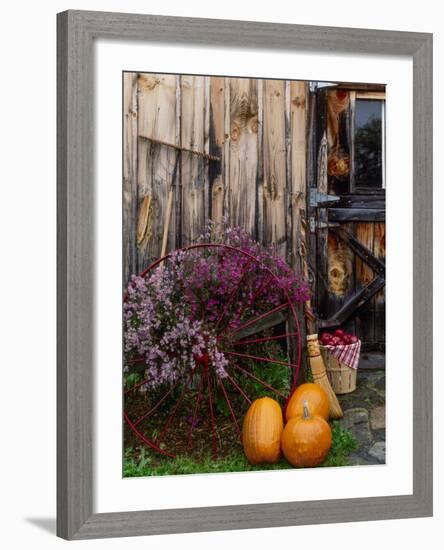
(265, 384)
(212, 417)
(136, 360)
(263, 359)
(260, 317)
(171, 416)
(239, 389)
(157, 405)
(196, 408)
(267, 339)
(227, 399)
(144, 439)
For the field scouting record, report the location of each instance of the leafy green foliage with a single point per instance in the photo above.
(343, 443)
(131, 379)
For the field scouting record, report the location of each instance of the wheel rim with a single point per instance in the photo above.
(202, 388)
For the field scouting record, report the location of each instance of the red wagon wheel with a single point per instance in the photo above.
(243, 324)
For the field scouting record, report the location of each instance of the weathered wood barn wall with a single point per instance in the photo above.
(257, 143)
(256, 128)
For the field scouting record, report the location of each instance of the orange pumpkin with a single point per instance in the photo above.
(306, 439)
(262, 430)
(316, 397)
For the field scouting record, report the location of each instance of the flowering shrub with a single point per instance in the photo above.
(174, 316)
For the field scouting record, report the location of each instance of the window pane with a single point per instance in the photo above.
(368, 143)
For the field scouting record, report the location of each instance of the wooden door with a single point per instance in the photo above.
(346, 206)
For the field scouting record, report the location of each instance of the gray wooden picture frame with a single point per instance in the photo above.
(76, 32)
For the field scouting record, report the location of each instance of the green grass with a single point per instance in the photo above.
(147, 463)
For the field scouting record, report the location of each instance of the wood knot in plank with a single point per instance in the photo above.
(299, 102)
(147, 82)
(235, 132)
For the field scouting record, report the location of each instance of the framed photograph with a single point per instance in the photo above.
(244, 275)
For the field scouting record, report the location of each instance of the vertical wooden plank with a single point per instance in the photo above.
(260, 163)
(379, 252)
(243, 153)
(274, 165)
(157, 121)
(322, 264)
(289, 244)
(297, 99)
(129, 253)
(364, 274)
(298, 105)
(194, 167)
(206, 149)
(310, 233)
(178, 183)
(226, 147)
(217, 139)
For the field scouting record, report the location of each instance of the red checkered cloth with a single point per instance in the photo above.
(347, 354)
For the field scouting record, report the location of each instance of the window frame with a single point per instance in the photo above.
(370, 95)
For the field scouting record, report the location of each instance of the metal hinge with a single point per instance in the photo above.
(316, 224)
(318, 199)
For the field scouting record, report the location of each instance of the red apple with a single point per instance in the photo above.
(335, 341)
(354, 339)
(325, 337)
(339, 332)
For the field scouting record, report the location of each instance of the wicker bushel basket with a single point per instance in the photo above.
(342, 378)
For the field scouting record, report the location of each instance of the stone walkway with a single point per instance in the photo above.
(364, 416)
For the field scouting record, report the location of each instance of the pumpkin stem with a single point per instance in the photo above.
(306, 414)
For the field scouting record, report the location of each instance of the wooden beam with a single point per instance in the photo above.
(377, 265)
(356, 215)
(350, 307)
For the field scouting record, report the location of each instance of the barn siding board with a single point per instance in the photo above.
(217, 133)
(129, 195)
(274, 165)
(289, 250)
(260, 165)
(156, 121)
(298, 114)
(226, 147)
(194, 167)
(311, 236)
(365, 319)
(321, 265)
(243, 153)
(177, 212)
(379, 252)
(297, 103)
